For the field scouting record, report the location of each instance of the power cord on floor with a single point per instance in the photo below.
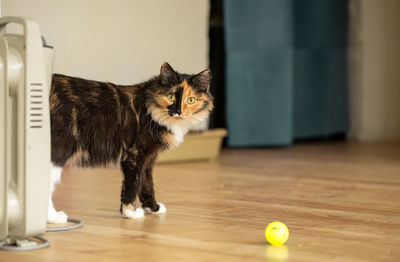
(16, 245)
(78, 224)
(5, 245)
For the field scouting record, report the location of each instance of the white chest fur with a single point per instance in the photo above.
(178, 134)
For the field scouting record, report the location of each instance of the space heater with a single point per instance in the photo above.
(25, 75)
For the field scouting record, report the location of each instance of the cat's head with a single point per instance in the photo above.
(180, 99)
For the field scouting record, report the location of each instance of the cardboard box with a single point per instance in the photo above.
(205, 145)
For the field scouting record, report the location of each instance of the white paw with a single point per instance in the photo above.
(57, 217)
(161, 210)
(129, 213)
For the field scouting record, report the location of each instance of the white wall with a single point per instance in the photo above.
(375, 69)
(121, 41)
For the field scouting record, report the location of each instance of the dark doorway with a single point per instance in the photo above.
(217, 63)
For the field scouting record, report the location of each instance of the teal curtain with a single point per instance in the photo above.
(285, 70)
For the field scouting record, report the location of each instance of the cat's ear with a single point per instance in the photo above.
(202, 80)
(168, 75)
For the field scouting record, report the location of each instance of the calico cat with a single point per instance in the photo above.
(97, 124)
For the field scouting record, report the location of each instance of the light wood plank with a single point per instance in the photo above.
(339, 200)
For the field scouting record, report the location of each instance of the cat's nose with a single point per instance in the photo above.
(179, 111)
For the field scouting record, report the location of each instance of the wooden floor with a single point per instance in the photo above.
(341, 202)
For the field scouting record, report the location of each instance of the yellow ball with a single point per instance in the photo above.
(277, 233)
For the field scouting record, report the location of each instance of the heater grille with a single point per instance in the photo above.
(36, 105)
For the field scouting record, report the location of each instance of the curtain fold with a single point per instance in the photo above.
(285, 70)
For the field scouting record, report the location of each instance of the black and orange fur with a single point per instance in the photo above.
(96, 124)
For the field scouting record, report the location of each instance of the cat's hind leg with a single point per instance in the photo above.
(54, 216)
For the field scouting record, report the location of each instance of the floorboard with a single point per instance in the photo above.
(341, 202)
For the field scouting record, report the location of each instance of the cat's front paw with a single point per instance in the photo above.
(129, 212)
(161, 209)
(57, 217)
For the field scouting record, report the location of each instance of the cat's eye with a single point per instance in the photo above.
(171, 97)
(191, 100)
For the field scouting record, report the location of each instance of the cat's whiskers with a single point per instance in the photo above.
(197, 119)
(148, 126)
(157, 134)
